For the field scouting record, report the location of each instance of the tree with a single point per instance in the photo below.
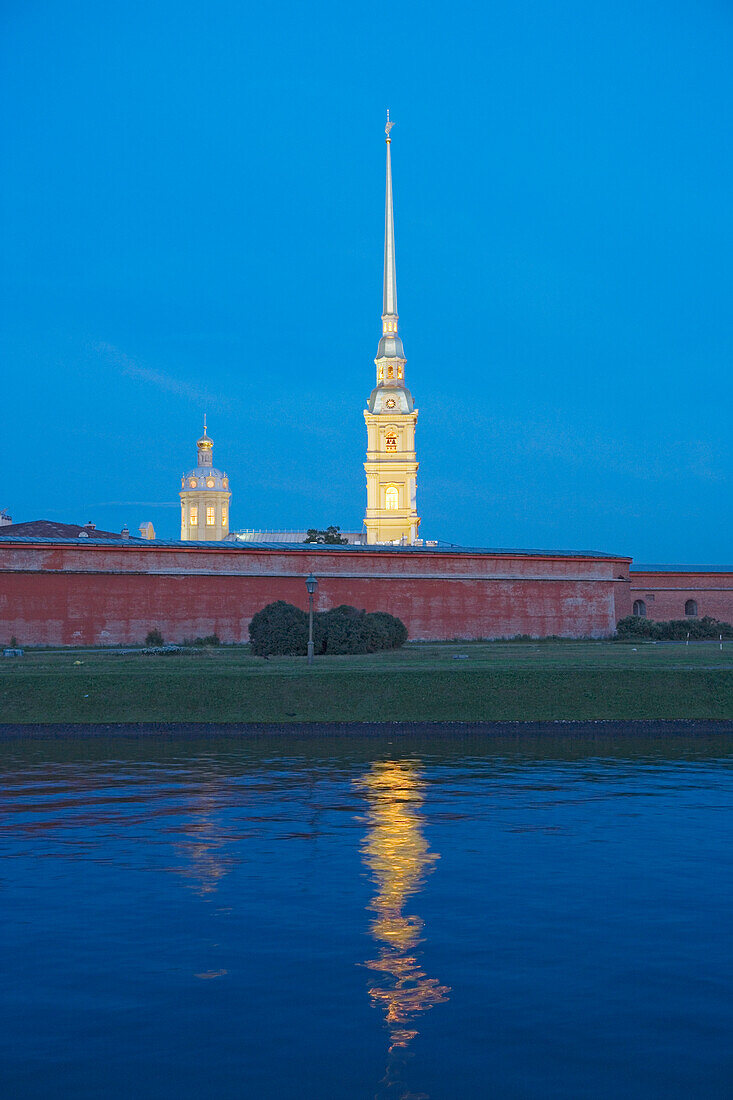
(331, 536)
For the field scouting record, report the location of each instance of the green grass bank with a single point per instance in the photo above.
(447, 682)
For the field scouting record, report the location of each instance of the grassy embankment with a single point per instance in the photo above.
(549, 680)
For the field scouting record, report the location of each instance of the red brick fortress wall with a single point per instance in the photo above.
(69, 592)
(666, 591)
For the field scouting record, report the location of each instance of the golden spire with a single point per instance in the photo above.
(389, 291)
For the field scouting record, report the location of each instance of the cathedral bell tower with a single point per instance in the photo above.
(391, 465)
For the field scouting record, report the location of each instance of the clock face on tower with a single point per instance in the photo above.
(390, 403)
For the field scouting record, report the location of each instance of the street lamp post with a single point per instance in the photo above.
(311, 583)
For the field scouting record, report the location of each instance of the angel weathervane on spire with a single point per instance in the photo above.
(389, 126)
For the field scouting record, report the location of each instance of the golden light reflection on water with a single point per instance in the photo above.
(205, 865)
(398, 856)
(202, 849)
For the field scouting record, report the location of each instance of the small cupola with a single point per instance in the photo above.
(205, 448)
(205, 496)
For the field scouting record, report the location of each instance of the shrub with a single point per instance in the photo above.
(384, 631)
(282, 629)
(343, 629)
(707, 627)
(635, 626)
(675, 630)
(279, 629)
(347, 630)
(154, 637)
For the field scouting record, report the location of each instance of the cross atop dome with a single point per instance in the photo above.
(205, 441)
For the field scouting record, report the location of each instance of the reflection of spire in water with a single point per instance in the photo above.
(205, 837)
(398, 857)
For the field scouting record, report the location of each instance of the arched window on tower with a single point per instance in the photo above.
(391, 441)
(392, 499)
(640, 608)
(210, 520)
(691, 608)
(193, 516)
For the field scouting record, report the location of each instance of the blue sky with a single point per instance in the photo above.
(192, 205)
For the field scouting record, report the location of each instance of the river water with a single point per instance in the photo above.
(439, 914)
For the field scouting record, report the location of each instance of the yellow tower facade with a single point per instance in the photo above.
(391, 462)
(205, 497)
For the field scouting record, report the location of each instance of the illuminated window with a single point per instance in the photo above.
(224, 515)
(390, 372)
(391, 443)
(640, 608)
(210, 482)
(691, 608)
(193, 516)
(225, 482)
(192, 483)
(210, 521)
(392, 499)
(380, 374)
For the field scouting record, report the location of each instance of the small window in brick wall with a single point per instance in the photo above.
(691, 608)
(639, 608)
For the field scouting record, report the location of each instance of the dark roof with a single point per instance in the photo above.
(100, 539)
(51, 529)
(681, 569)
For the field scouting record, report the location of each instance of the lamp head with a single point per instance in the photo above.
(311, 583)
